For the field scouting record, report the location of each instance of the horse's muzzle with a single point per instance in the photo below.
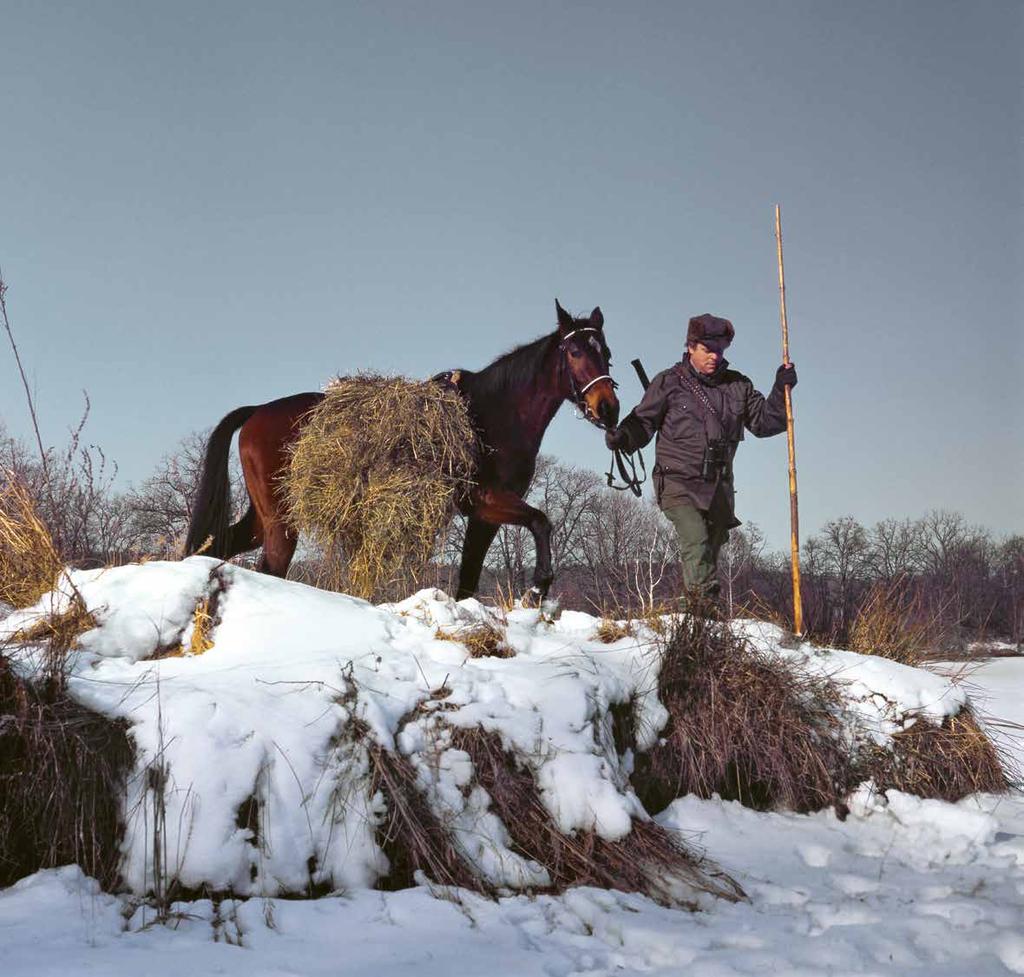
(602, 404)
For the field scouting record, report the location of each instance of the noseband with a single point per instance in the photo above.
(581, 405)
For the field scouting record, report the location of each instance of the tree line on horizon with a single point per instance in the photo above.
(951, 582)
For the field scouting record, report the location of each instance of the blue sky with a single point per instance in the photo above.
(210, 204)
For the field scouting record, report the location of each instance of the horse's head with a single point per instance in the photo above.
(586, 363)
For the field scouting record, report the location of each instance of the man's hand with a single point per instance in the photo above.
(616, 438)
(785, 375)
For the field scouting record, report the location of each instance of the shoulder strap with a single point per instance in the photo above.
(698, 392)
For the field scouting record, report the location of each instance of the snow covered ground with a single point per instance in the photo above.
(902, 886)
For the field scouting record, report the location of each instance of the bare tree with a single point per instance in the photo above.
(736, 563)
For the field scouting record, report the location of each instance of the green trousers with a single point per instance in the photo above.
(701, 535)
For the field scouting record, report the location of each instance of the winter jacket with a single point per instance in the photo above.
(676, 412)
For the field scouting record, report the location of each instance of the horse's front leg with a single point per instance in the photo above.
(479, 536)
(498, 507)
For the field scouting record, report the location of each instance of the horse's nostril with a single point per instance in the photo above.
(610, 412)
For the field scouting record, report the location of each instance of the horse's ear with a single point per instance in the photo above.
(597, 318)
(565, 322)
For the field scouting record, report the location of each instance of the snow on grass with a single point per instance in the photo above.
(261, 721)
(887, 892)
(903, 886)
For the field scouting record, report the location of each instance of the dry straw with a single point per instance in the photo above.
(948, 761)
(744, 725)
(377, 473)
(29, 562)
(890, 625)
(62, 782)
(755, 728)
(414, 839)
(647, 860)
(481, 640)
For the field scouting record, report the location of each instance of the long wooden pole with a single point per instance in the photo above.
(794, 508)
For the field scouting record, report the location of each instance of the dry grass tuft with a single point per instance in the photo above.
(889, 626)
(62, 779)
(743, 725)
(203, 622)
(609, 630)
(59, 633)
(29, 562)
(202, 628)
(482, 640)
(647, 860)
(948, 761)
(754, 728)
(412, 836)
(377, 473)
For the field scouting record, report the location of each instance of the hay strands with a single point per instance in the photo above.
(377, 473)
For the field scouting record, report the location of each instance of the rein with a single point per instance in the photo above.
(631, 479)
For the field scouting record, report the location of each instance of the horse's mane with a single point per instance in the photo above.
(515, 369)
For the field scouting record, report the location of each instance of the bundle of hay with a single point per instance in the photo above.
(376, 475)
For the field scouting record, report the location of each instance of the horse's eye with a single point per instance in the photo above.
(575, 354)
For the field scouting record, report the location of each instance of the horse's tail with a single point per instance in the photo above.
(211, 512)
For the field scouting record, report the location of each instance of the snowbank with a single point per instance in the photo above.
(246, 759)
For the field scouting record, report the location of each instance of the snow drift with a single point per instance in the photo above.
(254, 761)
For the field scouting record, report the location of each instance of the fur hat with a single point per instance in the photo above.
(713, 332)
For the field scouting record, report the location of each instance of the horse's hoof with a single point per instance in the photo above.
(534, 597)
(550, 609)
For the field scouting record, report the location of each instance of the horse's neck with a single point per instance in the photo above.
(529, 408)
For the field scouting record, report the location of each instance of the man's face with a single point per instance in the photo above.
(704, 360)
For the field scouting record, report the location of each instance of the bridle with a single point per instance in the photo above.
(577, 396)
(632, 479)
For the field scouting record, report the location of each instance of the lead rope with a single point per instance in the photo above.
(630, 478)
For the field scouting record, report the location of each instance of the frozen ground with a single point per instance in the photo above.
(903, 886)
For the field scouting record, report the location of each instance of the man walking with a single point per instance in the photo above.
(699, 408)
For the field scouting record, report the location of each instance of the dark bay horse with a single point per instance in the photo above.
(511, 402)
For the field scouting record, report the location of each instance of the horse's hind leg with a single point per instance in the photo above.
(244, 535)
(279, 542)
(262, 446)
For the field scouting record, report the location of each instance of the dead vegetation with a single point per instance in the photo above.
(948, 761)
(742, 725)
(411, 835)
(755, 728)
(482, 640)
(889, 625)
(201, 637)
(62, 783)
(611, 630)
(647, 860)
(377, 474)
(29, 562)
